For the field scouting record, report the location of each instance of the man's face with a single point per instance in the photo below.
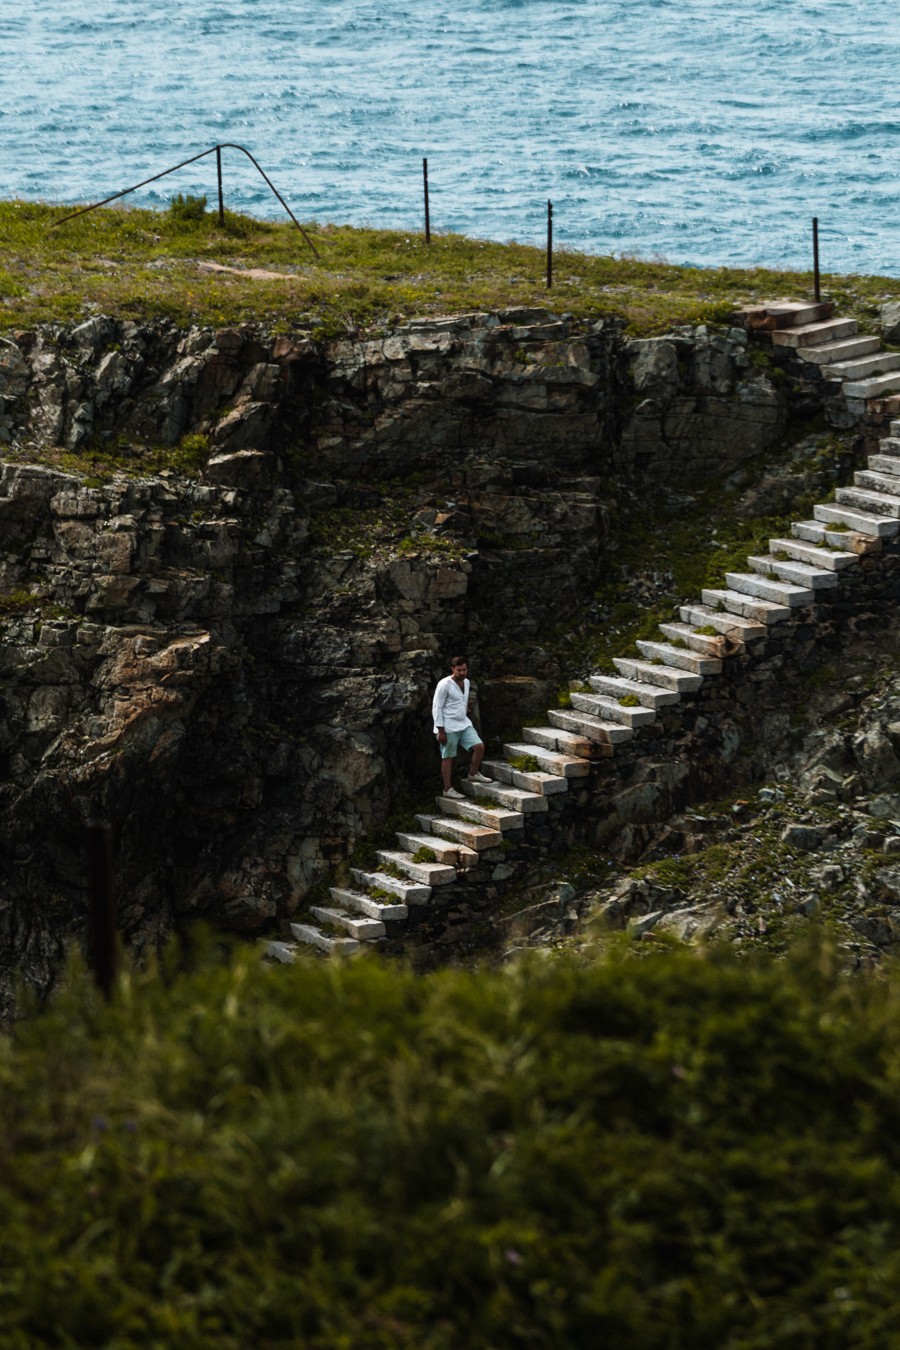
(459, 673)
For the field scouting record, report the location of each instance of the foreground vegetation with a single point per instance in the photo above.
(679, 1150)
(144, 264)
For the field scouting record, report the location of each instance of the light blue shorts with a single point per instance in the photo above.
(468, 738)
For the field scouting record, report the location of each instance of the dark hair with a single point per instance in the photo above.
(458, 661)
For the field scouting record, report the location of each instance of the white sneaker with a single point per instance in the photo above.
(479, 778)
(452, 792)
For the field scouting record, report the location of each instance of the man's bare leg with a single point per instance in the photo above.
(477, 757)
(447, 773)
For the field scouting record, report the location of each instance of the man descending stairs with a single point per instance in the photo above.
(458, 834)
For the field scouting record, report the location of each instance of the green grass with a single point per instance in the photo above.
(681, 1150)
(141, 264)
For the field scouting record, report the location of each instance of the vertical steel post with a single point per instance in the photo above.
(549, 245)
(427, 211)
(102, 913)
(219, 175)
(816, 258)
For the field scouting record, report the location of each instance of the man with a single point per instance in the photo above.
(453, 726)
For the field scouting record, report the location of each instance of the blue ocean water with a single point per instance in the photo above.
(692, 130)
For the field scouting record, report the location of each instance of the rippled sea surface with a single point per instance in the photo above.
(692, 130)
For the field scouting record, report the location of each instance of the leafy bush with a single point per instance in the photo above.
(678, 1151)
(187, 210)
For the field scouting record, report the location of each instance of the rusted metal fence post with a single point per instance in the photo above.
(818, 293)
(549, 245)
(427, 211)
(102, 900)
(219, 176)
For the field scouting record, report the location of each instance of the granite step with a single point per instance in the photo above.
(607, 708)
(873, 387)
(895, 428)
(549, 761)
(451, 854)
(873, 481)
(566, 742)
(770, 314)
(682, 657)
(845, 350)
(285, 953)
(584, 724)
(661, 676)
(514, 799)
(429, 874)
(814, 334)
(496, 818)
(778, 592)
(476, 838)
(385, 910)
(647, 695)
(814, 555)
(797, 573)
(879, 363)
(885, 464)
(359, 927)
(737, 628)
(826, 535)
(744, 606)
(324, 942)
(864, 499)
(547, 784)
(714, 645)
(409, 892)
(862, 522)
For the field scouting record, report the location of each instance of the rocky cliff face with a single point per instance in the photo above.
(234, 668)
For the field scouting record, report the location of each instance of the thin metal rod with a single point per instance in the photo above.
(102, 914)
(818, 293)
(427, 211)
(219, 176)
(549, 245)
(226, 145)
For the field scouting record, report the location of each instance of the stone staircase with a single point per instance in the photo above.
(869, 376)
(458, 834)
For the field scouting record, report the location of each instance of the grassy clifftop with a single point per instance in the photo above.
(143, 264)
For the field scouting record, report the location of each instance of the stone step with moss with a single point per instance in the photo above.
(388, 911)
(714, 645)
(636, 692)
(744, 606)
(427, 848)
(796, 573)
(383, 886)
(835, 535)
(478, 838)
(683, 658)
(312, 936)
(609, 708)
(604, 732)
(813, 555)
(858, 367)
(862, 522)
(815, 334)
(358, 926)
(402, 864)
(706, 620)
(497, 817)
(658, 674)
(761, 588)
(548, 761)
(525, 773)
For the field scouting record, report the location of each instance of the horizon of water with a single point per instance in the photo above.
(699, 132)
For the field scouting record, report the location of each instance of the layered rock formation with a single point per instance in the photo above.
(235, 668)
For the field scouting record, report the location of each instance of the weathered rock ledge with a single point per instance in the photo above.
(235, 669)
